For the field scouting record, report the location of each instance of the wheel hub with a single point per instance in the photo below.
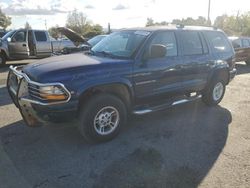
(218, 91)
(106, 120)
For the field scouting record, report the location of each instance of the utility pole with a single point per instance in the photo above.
(45, 21)
(208, 12)
(109, 29)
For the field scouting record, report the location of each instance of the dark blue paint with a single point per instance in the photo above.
(145, 79)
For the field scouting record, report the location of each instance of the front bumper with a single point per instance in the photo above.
(17, 85)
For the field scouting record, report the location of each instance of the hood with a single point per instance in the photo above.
(70, 34)
(57, 68)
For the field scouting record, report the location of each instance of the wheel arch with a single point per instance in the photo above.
(2, 51)
(220, 72)
(120, 90)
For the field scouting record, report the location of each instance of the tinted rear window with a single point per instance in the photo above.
(191, 43)
(218, 41)
(40, 36)
(245, 43)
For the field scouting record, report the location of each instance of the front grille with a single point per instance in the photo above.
(34, 92)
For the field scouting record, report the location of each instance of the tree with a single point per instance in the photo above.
(200, 21)
(5, 21)
(238, 25)
(77, 21)
(53, 31)
(244, 24)
(92, 30)
(150, 22)
(227, 23)
(27, 25)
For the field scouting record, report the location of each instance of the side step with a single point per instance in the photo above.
(153, 108)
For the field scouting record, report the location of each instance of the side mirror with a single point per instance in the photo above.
(157, 51)
(9, 39)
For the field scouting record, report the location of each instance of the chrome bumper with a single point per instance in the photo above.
(17, 85)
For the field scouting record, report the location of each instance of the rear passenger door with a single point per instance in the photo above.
(43, 44)
(196, 60)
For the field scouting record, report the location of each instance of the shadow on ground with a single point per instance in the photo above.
(172, 148)
(4, 97)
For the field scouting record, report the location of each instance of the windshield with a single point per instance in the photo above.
(120, 44)
(9, 34)
(93, 41)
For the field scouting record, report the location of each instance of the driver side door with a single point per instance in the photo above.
(18, 46)
(159, 76)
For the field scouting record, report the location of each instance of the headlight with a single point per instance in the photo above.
(52, 93)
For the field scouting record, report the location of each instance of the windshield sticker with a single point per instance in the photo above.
(144, 33)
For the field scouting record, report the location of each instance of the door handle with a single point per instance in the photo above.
(24, 45)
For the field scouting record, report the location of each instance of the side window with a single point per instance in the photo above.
(20, 36)
(191, 43)
(40, 36)
(167, 39)
(245, 43)
(218, 41)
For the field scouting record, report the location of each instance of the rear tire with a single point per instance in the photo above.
(2, 59)
(214, 92)
(101, 118)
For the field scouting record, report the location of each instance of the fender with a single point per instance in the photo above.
(4, 51)
(220, 67)
(108, 81)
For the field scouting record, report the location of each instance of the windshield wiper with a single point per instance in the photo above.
(106, 54)
(89, 52)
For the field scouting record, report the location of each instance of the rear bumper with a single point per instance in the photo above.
(36, 113)
(232, 74)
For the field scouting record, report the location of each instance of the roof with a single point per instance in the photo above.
(235, 37)
(174, 27)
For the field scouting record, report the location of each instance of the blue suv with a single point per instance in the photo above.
(134, 71)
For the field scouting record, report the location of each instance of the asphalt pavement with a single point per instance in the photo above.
(190, 145)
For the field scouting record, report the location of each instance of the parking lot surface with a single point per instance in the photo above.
(190, 145)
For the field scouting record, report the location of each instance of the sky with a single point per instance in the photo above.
(120, 14)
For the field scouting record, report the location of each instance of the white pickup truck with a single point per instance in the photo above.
(26, 44)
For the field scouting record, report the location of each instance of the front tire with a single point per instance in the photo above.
(101, 118)
(214, 93)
